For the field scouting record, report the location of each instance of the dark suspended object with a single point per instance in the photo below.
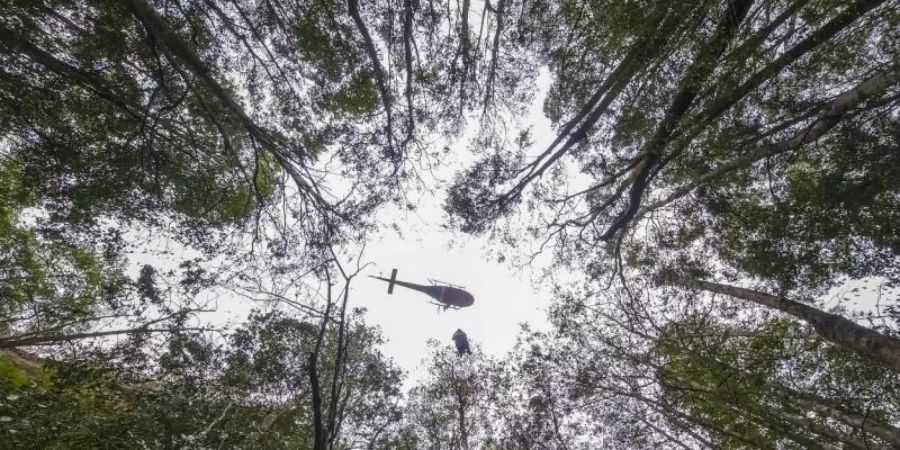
(462, 343)
(447, 296)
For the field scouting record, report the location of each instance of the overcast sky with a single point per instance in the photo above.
(421, 248)
(505, 297)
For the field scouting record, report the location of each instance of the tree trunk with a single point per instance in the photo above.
(841, 331)
(157, 27)
(319, 434)
(691, 83)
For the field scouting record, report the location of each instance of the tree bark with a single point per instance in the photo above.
(843, 332)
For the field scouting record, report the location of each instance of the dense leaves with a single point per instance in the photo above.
(250, 391)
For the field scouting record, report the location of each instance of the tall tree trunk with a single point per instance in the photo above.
(639, 56)
(823, 34)
(866, 342)
(320, 437)
(162, 32)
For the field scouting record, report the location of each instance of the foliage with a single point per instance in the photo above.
(774, 388)
(251, 391)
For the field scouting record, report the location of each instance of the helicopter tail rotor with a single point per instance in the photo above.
(392, 281)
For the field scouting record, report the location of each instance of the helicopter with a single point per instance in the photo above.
(447, 295)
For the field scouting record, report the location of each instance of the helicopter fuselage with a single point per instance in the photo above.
(448, 295)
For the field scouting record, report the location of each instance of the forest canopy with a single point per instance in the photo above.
(712, 176)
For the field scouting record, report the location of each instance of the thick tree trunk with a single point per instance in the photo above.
(639, 56)
(160, 30)
(829, 30)
(868, 343)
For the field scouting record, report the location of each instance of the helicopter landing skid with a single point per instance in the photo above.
(443, 306)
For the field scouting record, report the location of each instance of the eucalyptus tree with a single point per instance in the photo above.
(599, 367)
(667, 372)
(685, 125)
(452, 406)
(878, 346)
(59, 289)
(196, 111)
(534, 406)
(205, 110)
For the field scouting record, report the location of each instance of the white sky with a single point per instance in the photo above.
(503, 299)
(421, 249)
